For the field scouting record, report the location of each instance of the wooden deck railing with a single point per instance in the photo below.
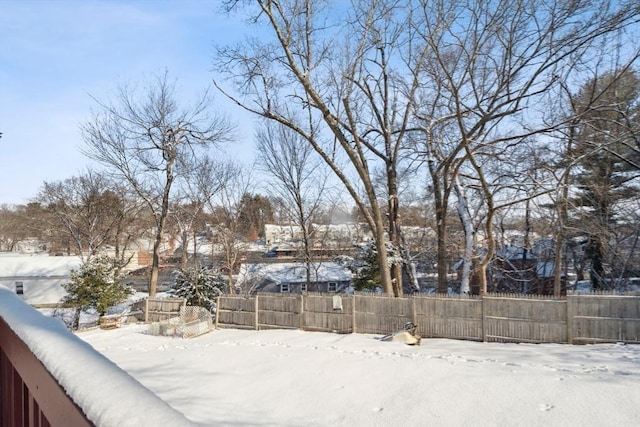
(30, 395)
(50, 377)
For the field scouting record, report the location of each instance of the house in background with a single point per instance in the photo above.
(29, 245)
(292, 278)
(275, 234)
(518, 270)
(37, 279)
(334, 235)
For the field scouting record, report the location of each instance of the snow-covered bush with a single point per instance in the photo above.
(199, 287)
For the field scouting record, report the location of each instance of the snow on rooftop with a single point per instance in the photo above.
(19, 265)
(292, 272)
(40, 276)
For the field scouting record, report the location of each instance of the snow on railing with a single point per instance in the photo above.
(102, 392)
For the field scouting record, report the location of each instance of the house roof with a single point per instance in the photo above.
(41, 276)
(295, 272)
(19, 265)
(277, 228)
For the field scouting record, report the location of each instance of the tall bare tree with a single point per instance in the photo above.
(354, 83)
(225, 206)
(344, 83)
(202, 179)
(490, 67)
(143, 137)
(300, 181)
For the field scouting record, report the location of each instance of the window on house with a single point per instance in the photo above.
(20, 288)
(285, 287)
(303, 287)
(333, 287)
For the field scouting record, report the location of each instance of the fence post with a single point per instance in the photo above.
(217, 311)
(301, 312)
(484, 318)
(570, 331)
(353, 314)
(256, 312)
(146, 310)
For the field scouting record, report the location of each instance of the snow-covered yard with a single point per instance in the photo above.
(295, 378)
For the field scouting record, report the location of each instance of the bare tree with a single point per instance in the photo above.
(86, 208)
(470, 76)
(490, 67)
(344, 83)
(207, 179)
(185, 216)
(599, 169)
(225, 206)
(299, 179)
(14, 226)
(142, 138)
(201, 180)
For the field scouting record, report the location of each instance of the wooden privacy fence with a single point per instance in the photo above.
(502, 318)
(159, 309)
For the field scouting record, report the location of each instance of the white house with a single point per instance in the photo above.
(37, 279)
(338, 233)
(275, 233)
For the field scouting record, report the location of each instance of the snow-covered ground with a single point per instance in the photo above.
(295, 378)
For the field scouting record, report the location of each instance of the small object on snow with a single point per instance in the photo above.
(337, 302)
(111, 321)
(406, 335)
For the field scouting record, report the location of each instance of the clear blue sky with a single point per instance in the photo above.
(54, 54)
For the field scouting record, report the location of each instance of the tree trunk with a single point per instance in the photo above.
(195, 249)
(184, 255)
(409, 267)
(230, 258)
(394, 227)
(465, 219)
(557, 262)
(161, 220)
(76, 319)
(441, 232)
(155, 267)
(562, 220)
(491, 242)
(596, 271)
(385, 271)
